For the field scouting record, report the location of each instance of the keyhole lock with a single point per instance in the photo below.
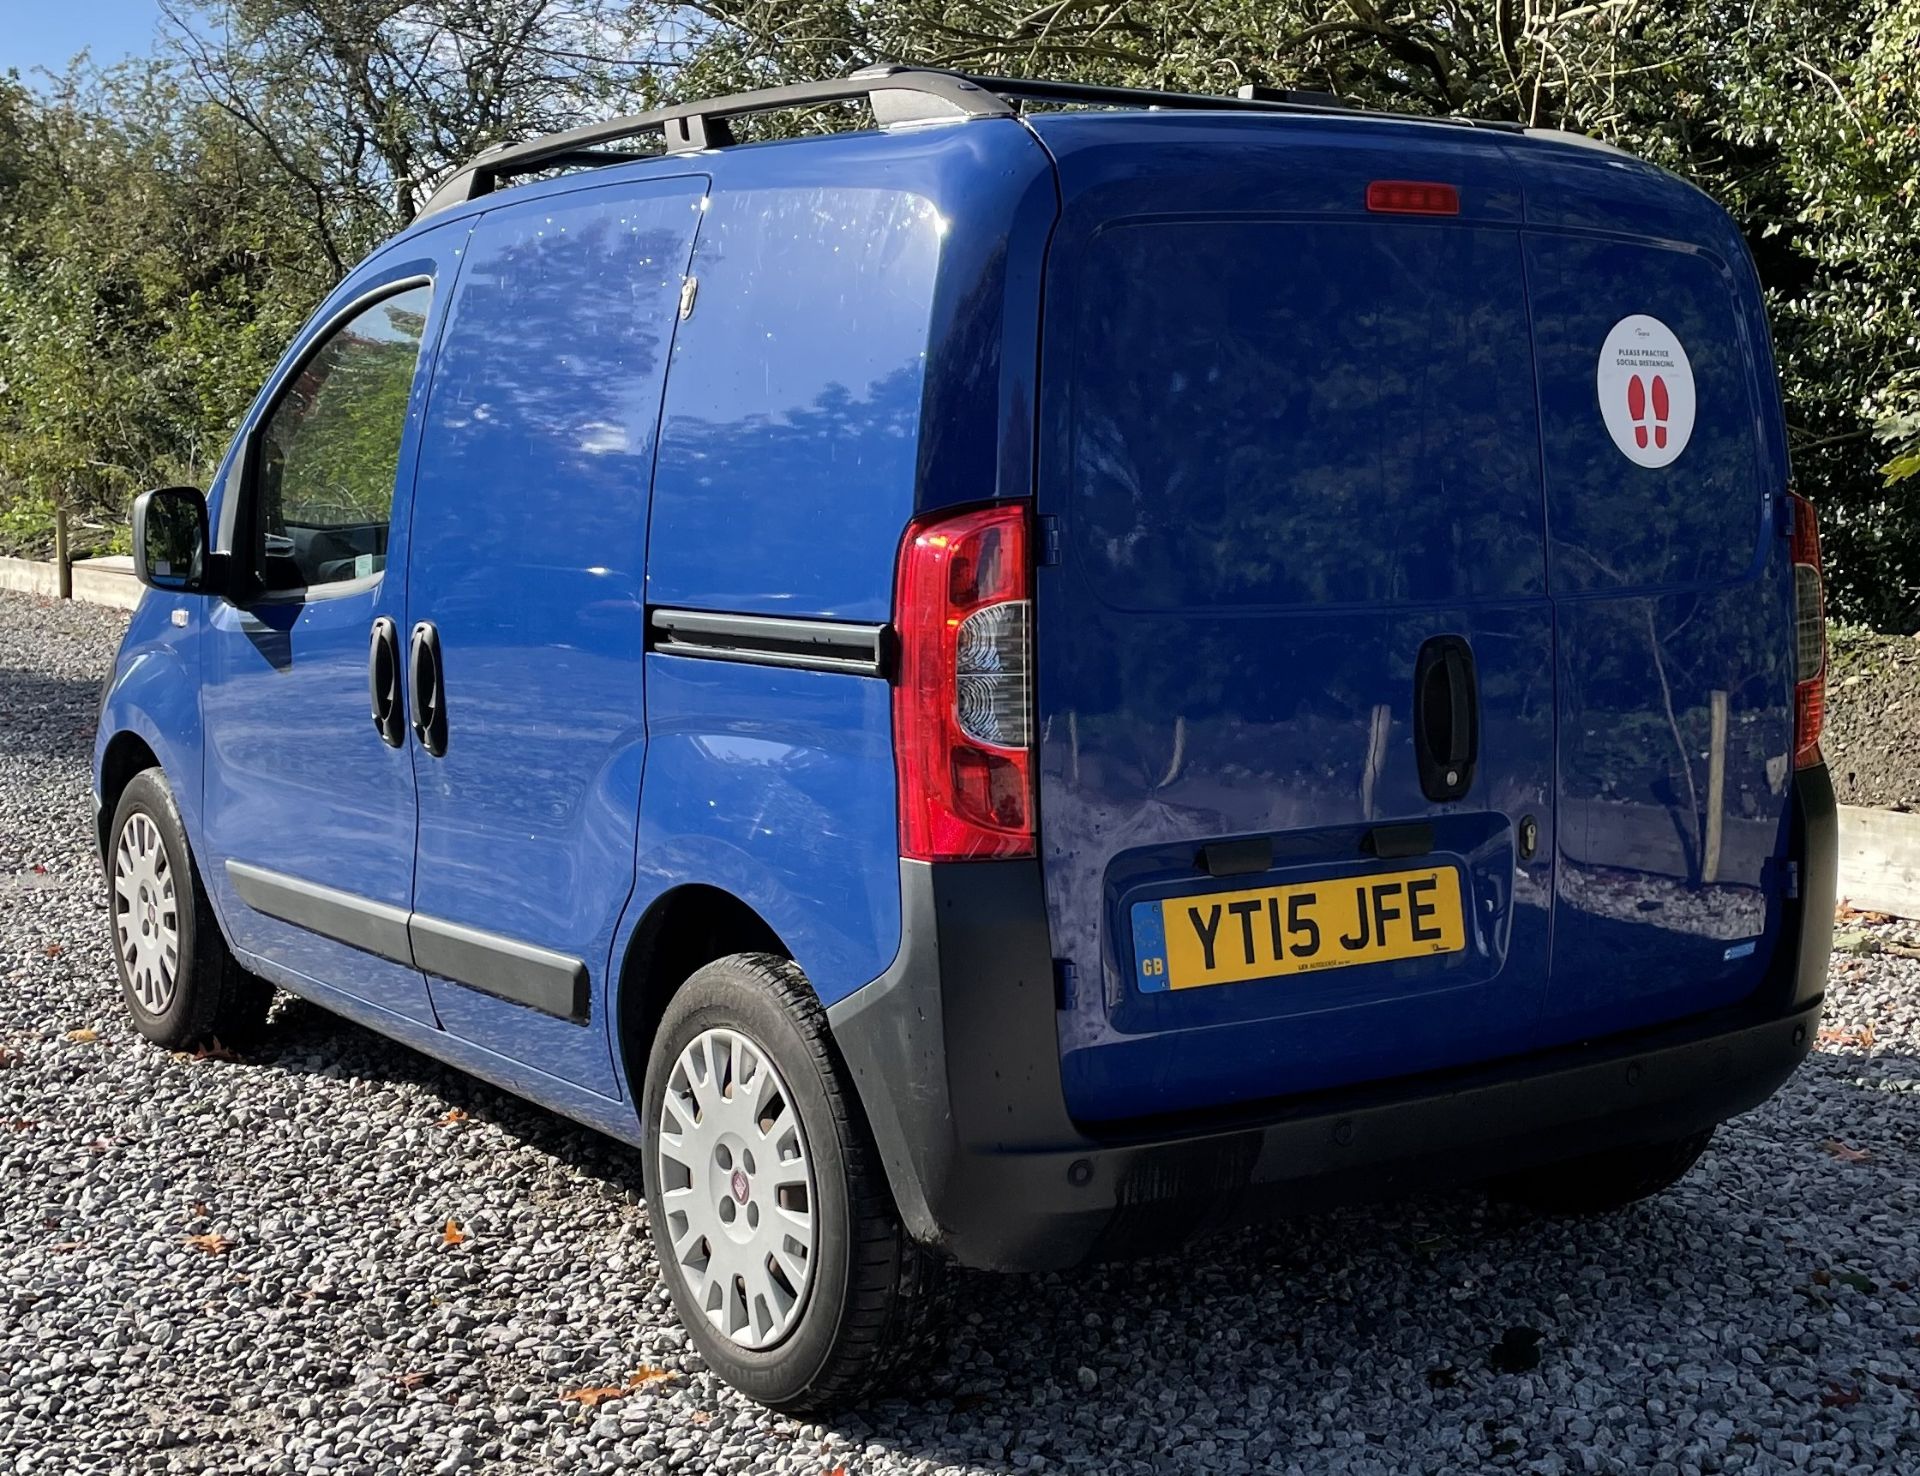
(1529, 837)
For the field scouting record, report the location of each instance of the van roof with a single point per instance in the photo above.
(897, 94)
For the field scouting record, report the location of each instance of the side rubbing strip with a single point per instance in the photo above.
(772, 640)
(522, 973)
(375, 927)
(506, 968)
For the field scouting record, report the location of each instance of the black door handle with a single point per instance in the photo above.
(383, 682)
(1446, 717)
(428, 681)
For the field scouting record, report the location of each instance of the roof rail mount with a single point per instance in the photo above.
(896, 93)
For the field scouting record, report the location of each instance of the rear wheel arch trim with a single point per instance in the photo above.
(671, 940)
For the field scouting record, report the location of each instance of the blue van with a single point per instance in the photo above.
(1011, 686)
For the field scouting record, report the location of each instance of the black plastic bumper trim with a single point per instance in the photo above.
(771, 640)
(521, 973)
(359, 922)
(954, 1052)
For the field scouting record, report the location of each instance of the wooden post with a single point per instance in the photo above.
(1716, 787)
(62, 555)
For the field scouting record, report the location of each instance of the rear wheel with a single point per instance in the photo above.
(1600, 1182)
(181, 984)
(771, 1216)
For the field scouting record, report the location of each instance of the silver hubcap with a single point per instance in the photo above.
(736, 1185)
(146, 920)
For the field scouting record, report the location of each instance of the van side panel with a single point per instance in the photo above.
(845, 343)
(1674, 607)
(858, 347)
(777, 787)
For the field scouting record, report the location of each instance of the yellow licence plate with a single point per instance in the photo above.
(1227, 937)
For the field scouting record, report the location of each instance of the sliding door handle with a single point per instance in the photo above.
(427, 678)
(1446, 718)
(383, 683)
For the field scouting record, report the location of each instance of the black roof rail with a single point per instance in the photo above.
(896, 93)
(703, 125)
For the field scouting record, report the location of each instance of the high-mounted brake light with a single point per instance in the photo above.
(962, 713)
(1809, 635)
(1412, 197)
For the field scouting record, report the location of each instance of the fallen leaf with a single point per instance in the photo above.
(1839, 1396)
(38, 869)
(413, 1380)
(594, 1397)
(450, 1118)
(1847, 912)
(213, 1243)
(9, 1058)
(453, 1234)
(701, 1417)
(214, 1051)
(964, 1402)
(64, 1246)
(1856, 1035)
(649, 1375)
(83, 1036)
(53, 950)
(1844, 1152)
(197, 1210)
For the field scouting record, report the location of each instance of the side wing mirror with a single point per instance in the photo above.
(171, 549)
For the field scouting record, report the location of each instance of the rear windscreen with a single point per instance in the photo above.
(1282, 412)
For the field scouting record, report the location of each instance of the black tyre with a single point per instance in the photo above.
(1600, 1182)
(771, 1215)
(181, 984)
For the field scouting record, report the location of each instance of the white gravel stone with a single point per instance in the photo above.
(1762, 1316)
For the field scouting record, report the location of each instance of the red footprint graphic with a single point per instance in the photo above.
(1637, 407)
(1659, 412)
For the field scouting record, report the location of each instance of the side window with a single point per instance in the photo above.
(329, 450)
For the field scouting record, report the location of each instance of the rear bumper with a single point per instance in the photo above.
(954, 1052)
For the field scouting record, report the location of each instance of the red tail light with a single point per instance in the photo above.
(1809, 635)
(1412, 197)
(962, 714)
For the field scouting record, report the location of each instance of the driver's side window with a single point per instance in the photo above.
(329, 450)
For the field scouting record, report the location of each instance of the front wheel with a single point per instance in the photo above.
(1600, 1182)
(770, 1213)
(181, 984)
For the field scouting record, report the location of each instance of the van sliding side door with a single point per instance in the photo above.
(526, 614)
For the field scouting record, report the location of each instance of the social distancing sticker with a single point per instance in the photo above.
(1646, 391)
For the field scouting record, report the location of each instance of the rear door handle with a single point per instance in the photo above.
(427, 678)
(1446, 717)
(383, 682)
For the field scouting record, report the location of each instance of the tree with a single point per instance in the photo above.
(362, 105)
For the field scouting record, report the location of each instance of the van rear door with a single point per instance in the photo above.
(1663, 447)
(1293, 639)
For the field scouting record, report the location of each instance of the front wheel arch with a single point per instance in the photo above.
(127, 754)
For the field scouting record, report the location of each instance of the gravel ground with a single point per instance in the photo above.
(1762, 1316)
(1872, 738)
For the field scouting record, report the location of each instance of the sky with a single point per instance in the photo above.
(47, 33)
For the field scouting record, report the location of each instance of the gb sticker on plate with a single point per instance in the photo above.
(1646, 391)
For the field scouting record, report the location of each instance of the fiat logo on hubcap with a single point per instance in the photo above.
(740, 1186)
